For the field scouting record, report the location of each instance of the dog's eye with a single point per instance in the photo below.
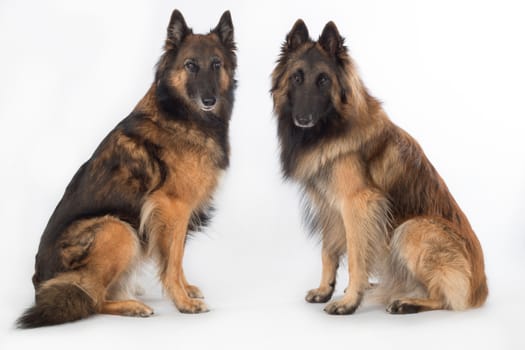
(216, 65)
(323, 80)
(297, 77)
(191, 67)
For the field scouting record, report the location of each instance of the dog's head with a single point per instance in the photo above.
(315, 82)
(197, 70)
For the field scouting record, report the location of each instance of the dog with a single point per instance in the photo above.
(369, 189)
(148, 183)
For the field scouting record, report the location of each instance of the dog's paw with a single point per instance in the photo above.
(194, 292)
(146, 311)
(398, 307)
(133, 308)
(192, 306)
(319, 295)
(339, 307)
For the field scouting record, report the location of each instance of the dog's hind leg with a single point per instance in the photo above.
(95, 253)
(433, 254)
(414, 305)
(111, 260)
(126, 308)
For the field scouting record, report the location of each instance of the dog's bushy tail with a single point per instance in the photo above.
(57, 303)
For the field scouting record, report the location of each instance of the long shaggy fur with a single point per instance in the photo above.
(368, 187)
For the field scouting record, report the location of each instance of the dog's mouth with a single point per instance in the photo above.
(207, 108)
(303, 124)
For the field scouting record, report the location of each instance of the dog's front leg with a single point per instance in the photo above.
(326, 288)
(365, 217)
(171, 219)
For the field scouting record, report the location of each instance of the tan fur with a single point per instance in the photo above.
(167, 232)
(326, 287)
(126, 308)
(431, 253)
(112, 253)
(373, 194)
(355, 190)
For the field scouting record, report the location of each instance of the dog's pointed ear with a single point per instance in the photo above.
(177, 29)
(224, 30)
(330, 40)
(297, 36)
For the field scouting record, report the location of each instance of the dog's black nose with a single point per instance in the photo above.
(208, 102)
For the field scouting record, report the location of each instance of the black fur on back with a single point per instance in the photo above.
(96, 191)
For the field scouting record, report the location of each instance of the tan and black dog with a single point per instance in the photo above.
(149, 182)
(369, 189)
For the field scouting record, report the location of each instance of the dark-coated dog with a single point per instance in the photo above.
(149, 182)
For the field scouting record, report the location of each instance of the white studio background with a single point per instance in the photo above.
(449, 72)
